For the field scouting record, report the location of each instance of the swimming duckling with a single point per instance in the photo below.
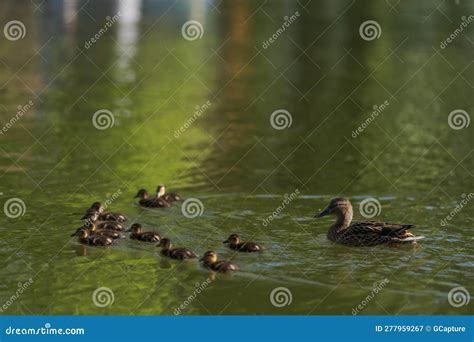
(209, 260)
(92, 215)
(175, 253)
(366, 233)
(167, 196)
(138, 233)
(145, 201)
(110, 225)
(234, 242)
(95, 209)
(87, 238)
(92, 229)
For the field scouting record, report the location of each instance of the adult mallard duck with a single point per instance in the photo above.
(209, 260)
(92, 239)
(138, 233)
(146, 201)
(234, 242)
(175, 253)
(366, 233)
(167, 196)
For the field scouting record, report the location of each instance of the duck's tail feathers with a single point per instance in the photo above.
(411, 238)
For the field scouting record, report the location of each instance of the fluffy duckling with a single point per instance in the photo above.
(92, 229)
(146, 201)
(94, 215)
(366, 233)
(167, 196)
(175, 253)
(234, 242)
(209, 260)
(87, 238)
(138, 233)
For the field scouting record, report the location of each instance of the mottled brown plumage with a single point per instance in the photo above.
(234, 242)
(175, 253)
(209, 260)
(167, 196)
(92, 239)
(146, 201)
(138, 233)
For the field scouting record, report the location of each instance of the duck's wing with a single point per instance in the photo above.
(379, 228)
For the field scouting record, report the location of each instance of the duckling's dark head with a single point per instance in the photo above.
(90, 226)
(96, 205)
(160, 190)
(209, 256)
(165, 243)
(136, 228)
(339, 206)
(84, 234)
(142, 193)
(233, 238)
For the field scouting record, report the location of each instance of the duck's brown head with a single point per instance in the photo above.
(209, 257)
(136, 228)
(160, 190)
(96, 205)
(142, 194)
(165, 243)
(233, 238)
(84, 234)
(338, 206)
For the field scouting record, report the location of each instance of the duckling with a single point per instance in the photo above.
(92, 229)
(110, 225)
(87, 238)
(234, 242)
(145, 201)
(94, 215)
(175, 253)
(138, 233)
(366, 233)
(96, 207)
(168, 197)
(209, 260)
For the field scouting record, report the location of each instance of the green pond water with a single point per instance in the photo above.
(229, 156)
